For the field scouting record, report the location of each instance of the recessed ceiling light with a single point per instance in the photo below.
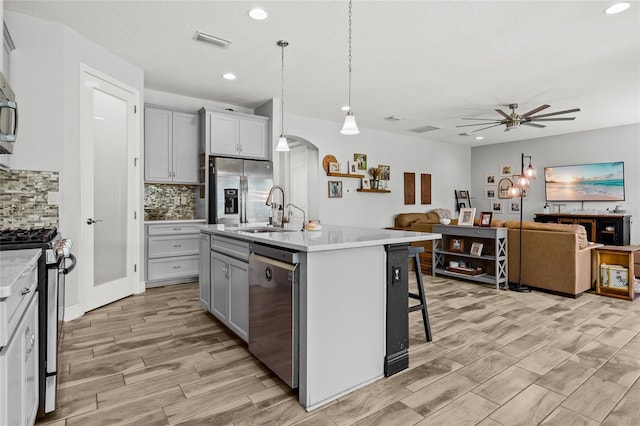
(479, 138)
(212, 39)
(345, 108)
(229, 76)
(617, 8)
(258, 14)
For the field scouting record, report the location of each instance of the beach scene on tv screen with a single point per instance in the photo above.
(594, 182)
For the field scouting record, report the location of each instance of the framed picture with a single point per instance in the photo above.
(335, 189)
(503, 188)
(386, 171)
(485, 218)
(490, 192)
(361, 161)
(466, 216)
(366, 183)
(456, 245)
(514, 206)
(490, 179)
(462, 206)
(525, 194)
(352, 170)
(476, 249)
(334, 167)
(496, 207)
(505, 170)
(462, 193)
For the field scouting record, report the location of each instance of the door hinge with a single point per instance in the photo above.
(135, 109)
(135, 267)
(135, 215)
(135, 161)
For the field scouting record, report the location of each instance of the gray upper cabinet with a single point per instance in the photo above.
(234, 134)
(170, 146)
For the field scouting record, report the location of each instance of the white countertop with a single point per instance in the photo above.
(170, 222)
(330, 237)
(13, 263)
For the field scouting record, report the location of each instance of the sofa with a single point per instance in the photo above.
(555, 257)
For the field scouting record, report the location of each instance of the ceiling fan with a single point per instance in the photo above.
(513, 120)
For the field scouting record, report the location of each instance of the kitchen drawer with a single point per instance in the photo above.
(172, 267)
(234, 248)
(173, 229)
(18, 296)
(163, 246)
(462, 231)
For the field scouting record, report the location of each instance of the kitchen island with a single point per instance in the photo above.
(341, 301)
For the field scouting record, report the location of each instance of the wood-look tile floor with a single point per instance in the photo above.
(498, 358)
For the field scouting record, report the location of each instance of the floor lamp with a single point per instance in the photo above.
(517, 189)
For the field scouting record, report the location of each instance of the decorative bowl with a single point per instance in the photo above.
(445, 221)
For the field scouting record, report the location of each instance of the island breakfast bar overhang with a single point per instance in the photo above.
(345, 275)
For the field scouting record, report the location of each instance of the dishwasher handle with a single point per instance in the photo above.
(283, 255)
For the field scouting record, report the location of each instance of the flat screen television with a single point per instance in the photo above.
(585, 182)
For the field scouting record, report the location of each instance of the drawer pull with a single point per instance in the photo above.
(25, 291)
(177, 245)
(177, 229)
(176, 267)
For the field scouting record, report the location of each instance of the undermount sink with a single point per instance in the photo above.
(261, 230)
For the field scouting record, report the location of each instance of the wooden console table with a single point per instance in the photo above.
(621, 256)
(612, 229)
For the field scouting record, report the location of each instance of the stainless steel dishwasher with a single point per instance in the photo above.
(273, 309)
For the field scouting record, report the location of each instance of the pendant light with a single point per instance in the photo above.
(350, 127)
(282, 146)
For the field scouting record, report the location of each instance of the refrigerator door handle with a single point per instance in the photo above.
(243, 199)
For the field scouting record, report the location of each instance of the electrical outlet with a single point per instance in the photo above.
(176, 200)
(52, 198)
(183, 200)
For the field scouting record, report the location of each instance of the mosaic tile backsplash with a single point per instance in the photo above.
(23, 199)
(169, 202)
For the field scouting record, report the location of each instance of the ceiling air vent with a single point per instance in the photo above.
(394, 118)
(424, 129)
(212, 39)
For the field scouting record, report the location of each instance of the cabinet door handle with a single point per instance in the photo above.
(177, 229)
(25, 291)
(30, 339)
(177, 245)
(177, 267)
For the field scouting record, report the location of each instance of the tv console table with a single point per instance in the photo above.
(611, 229)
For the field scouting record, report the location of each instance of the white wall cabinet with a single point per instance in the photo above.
(229, 286)
(170, 146)
(19, 371)
(171, 252)
(235, 134)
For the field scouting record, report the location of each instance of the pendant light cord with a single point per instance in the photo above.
(282, 45)
(350, 55)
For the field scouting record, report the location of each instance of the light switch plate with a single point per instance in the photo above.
(52, 198)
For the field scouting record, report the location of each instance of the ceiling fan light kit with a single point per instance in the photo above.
(514, 120)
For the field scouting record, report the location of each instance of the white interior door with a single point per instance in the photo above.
(110, 181)
(298, 184)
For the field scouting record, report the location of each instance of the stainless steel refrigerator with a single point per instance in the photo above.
(238, 190)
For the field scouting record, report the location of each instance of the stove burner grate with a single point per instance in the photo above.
(33, 235)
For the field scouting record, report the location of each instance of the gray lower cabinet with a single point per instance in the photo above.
(172, 253)
(204, 276)
(229, 287)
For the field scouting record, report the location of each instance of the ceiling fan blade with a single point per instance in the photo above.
(533, 111)
(484, 128)
(528, 123)
(479, 124)
(556, 113)
(504, 114)
(486, 119)
(553, 119)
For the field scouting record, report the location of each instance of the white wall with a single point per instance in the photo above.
(595, 146)
(46, 79)
(449, 166)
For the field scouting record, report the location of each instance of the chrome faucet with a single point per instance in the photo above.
(270, 198)
(304, 216)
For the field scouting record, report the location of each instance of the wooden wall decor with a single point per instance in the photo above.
(409, 188)
(425, 188)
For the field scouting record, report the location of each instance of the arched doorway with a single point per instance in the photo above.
(301, 176)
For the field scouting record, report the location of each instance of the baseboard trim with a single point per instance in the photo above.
(72, 312)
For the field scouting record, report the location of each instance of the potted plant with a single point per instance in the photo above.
(375, 173)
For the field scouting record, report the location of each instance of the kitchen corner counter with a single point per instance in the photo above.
(13, 264)
(330, 237)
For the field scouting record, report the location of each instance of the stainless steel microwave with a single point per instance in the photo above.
(8, 117)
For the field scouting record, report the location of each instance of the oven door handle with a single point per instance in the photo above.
(69, 268)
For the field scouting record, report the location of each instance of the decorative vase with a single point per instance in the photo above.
(374, 184)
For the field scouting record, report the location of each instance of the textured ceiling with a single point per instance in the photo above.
(430, 62)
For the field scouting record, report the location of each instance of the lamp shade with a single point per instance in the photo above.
(282, 146)
(530, 173)
(522, 182)
(514, 191)
(350, 127)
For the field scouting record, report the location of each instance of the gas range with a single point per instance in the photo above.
(52, 268)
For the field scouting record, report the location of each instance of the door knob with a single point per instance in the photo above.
(91, 221)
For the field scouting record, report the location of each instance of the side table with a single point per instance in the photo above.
(617, 255)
